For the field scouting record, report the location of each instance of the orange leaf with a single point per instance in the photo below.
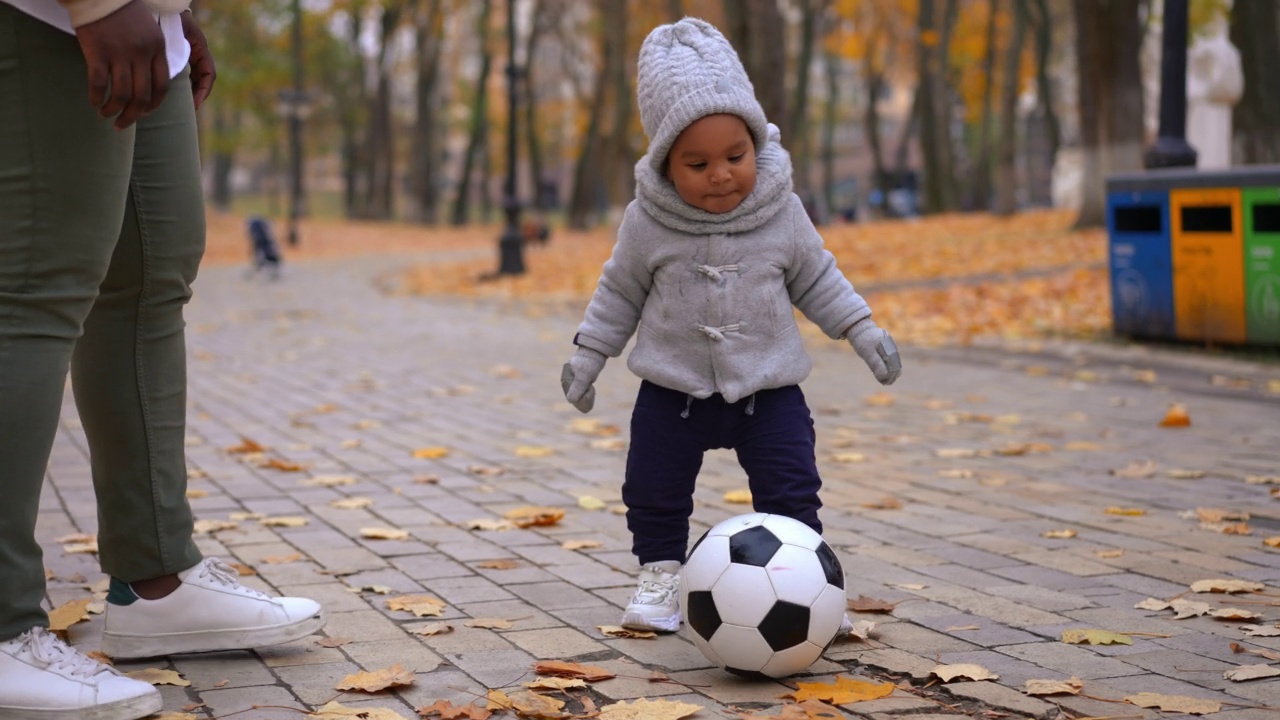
(448, 711)
(559, 668)
(843, 691)
(1177, 416)
(366, 681)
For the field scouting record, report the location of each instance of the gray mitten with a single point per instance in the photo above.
(877, 349)
(578, 378)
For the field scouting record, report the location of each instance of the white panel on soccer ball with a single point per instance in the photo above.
(705, 648)
(825, 615)
(792, 660)
(793, 532)
(742, 648)
(705, 565)
(743, 595)
(797, 575)
(737, 523)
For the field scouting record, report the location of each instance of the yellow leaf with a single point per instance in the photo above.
(842, 691)
(175, 716)
(88, 547)
(245, 447)
(419, 605)
(1186, 474)
(539, 707)
(1262, 479)
(534, 516)
(555, 683)
(498, 700)
(1095, 637)
(156, 676)
(334, 710)
(957, 474)
(885, 503)
(1137, 470)
(967, 671)
(431, 453)
(559, 668)
(367, 424)
(1251, 672)
(282, 559)
(448, 711)
(848, 458)
(380, 533)
(880, 399)
(1174, 703)
(1082, 446)
(489, 623)
(503, 564)
(290, 521)
(1108, 554)
(534, 451)
(1226, 586)
(1053, 687)
(351, 503)
(955, 453)
(488, 524)
(433, 628)
(329, 480)
(196, 493)
(588, 502)
(581, 544)
(1273, 541)
(240, 516)
(1177, 416)
(485, 470)
(643, 709)
(243, 570)
(68, 614)
(611, 444)
(742, 497)
(282, 465)
(1229, 613)
(426, 480)
(365, 681)
(620, 632)
(205, 527)
(1126, 512)
(588, 426)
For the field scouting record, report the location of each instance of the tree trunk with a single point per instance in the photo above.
(619, 176)
(587, 173)
(1256, 119)
(934, 107)
(380, 139)
(223, 160)
(757, 31)
(1006, 200)
(424, 183)
(532, 139)
(352, 157)
(1044, 88)
(799, 122)
(1108, 38)
(479, 120)
(982, 176)
(832, 69)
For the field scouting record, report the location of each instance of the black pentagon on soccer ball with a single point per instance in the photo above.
(786, 625)
(753, 546)
(831, 565)
(703, 616)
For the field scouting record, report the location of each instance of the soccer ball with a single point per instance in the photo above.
(763, 595)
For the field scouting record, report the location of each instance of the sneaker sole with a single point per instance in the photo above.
(120, 646)
(636, 621)
(129, 709)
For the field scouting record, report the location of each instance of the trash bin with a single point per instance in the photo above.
(1141, 263)
(1208, 264)
(1262, 264)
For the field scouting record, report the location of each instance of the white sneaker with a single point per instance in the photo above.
(43, 678)
(210, 610)
(656, 604)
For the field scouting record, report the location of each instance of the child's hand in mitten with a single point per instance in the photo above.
(877, 349)
(578, 378)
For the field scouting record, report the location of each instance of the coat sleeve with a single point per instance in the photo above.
(816, 284)
(83, 12)
(614, 312)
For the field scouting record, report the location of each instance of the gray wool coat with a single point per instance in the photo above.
(712, 313)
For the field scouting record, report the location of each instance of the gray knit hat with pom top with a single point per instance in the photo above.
(686, 71)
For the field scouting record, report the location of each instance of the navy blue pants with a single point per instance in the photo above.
(772, 433)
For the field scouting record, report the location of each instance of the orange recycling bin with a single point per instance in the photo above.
(1208, 264)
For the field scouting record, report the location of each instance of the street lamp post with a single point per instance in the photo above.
(510, 247)
(1171, 148)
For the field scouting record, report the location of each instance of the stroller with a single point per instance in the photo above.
(266, 253)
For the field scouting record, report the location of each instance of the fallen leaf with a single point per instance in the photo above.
(97, 655)
(156, 676)
(489, 623)
(885, 503)
(559, 668)
(742, 497)
(176, 715)
(842, 691)
(539, 707)
(206, 527)
(88, 547)
(1186, 474)
(1260, 631)
(1273, 541)
(1153, 604)
(848, 457)
(588, 502)
(1251, 672)
(503, 564)
(377, 589)
(241, 516)
(959, 628)
(1228, 528)
(589, 426)
(1174, 703)
(1268, 654)
(419, 605)
(246, 446)
(281, 559)
(433, 628)
(431, 453)
(1230, 613)
(1177, 416)
(1053, 687)
(1108, 554)
(581, 544)
(289, 521)
(196, 493)
(1217, 515)
(1187, 608)
(955, 453)
(534, 451)
(366, 424)
(351, 503)
(243, 570)
(488, 524)
(1126, 512)
(880, 399)
(485, 470)
(1147, 376)
(366, 681)
(611, 444)
(68, 614)
(957, 474)
(334, 710)
(221, 684)
(1226, 586)
(333, 642)
(964, 670)
(381, 533)
(1095, 637)
(861, 629)
(497, 700)
(534, 516)
(642, 709)
(448, 711)
(1059, 534)
(555, 683)
(426, 479)
(1082, 446)
(618, 631)
(1262, 479)
(866, 604)
(1137, 470)
(282, 465)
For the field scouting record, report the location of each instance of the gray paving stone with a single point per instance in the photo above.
(238, 700)
(1071, 660)
(555, 643)
(1003, 698)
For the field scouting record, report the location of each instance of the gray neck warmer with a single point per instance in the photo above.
(658, 196)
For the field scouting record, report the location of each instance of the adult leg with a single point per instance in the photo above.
(775, 445)
(64, 174)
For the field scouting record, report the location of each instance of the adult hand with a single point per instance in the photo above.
(203, 73)
(125, 55)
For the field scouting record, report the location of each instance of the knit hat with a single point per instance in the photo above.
(686, 71)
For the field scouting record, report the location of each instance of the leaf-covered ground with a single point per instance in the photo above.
(941, 280)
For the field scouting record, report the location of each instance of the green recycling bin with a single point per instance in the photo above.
(1262, 264)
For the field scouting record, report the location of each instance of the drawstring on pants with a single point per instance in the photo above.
(751, 405)
(688, 403)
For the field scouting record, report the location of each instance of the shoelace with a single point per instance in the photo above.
(45, 647)
(653, 592)
(226, 575)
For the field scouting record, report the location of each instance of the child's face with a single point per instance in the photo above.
(713, 163)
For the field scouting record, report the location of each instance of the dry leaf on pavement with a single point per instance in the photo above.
(618, 631)
(1226, 586)
(282, 465)
(589, 426)
(862, 629)
(1108, 554)
(559, 668)
(967, 671)
(206, 527)
(156, 676)
(1268, 654)
(288, 521)
(589, 502)
(534, 451)
(196, 493)
(329, 481)
(381, 533)
(1272, 542)
(1124, 511)
(1230, 613)
(1176, 416)
(246, 446)
(1053, 687)
(848, 458)
(1137, 470)
(366, 681)
(1217, 515)
(741, 497)
(502, 564)
(610, 444)
(243, 570)
(335, 710)
(175, 716)
(1186, 474)
(870, 605)
(807, 710)
(1066, 534)
(1154, 604)
(955, 453)
(1188, 608)
(1174, 703)
(887, 502)
(488, 524)
(448, 711)
(489, 623)
(1095, 637)
(1260, 630)
(538, 707)
(643, 709)
(1262, 479)
(419, 605)
(534, 516)
(333, 642)
(1251, 672)
(433, 628)
(842, 691)
(351, 503)
(68, 614)
(555, 683)
(487, 470)
(581, 544)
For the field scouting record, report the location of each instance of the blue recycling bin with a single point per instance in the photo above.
(1141, 262)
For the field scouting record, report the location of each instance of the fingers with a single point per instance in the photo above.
(159, 80)
(99, 81)
(121, 91)
(202, 85)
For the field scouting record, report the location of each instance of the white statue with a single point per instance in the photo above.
(1215, 82)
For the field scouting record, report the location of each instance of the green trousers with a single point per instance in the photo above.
(101, 233)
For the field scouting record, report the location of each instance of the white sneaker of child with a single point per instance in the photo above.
(656, 604)
(43, 678)
(210, 610)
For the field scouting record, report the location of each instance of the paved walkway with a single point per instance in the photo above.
(985, 449)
